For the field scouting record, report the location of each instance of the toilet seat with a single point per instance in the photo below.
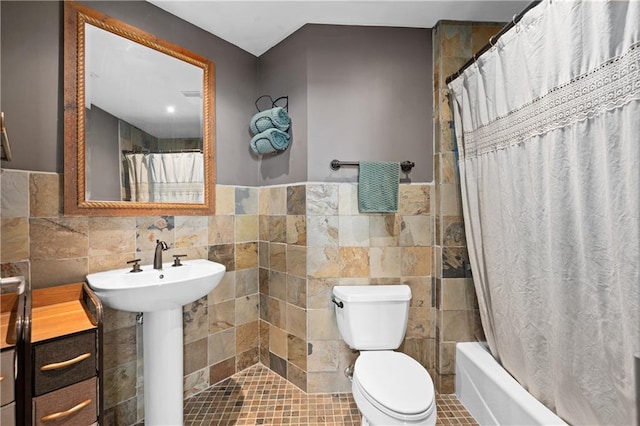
(395, 384)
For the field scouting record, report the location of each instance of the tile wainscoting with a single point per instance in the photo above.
(284, 248)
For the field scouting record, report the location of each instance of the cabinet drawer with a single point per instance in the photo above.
(58, 363)
(8, 415)
(7, 383)
(74, 405)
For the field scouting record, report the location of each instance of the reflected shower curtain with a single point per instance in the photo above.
(548, 135)
(166, 177)
(137, 177)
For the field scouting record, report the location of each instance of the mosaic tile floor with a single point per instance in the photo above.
(258, 396)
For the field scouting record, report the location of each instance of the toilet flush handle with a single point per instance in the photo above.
(338, 304)
(349, 372)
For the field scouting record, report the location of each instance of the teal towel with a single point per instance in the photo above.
(277, 118)
(378, 185)
(269, 141)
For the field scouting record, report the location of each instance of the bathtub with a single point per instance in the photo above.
(491, 395)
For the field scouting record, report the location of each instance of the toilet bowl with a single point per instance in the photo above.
(391, 388)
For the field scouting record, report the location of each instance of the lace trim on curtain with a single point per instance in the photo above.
(613, 84)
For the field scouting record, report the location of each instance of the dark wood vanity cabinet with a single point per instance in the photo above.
(58, 356)
(65, 351)
(63, 361)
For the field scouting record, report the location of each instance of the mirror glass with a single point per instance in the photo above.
(142, 134)
(143, 130)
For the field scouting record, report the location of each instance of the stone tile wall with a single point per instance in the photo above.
(284, 248)
(312, 237)
(457, 317)
(220, 331)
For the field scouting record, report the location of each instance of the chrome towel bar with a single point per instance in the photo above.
(405, 166)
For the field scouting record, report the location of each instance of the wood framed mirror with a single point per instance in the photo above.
(139, 121)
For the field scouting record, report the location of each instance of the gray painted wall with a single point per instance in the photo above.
(103, 156)
(32, 76)
(282, 71)
(31, 72)
(355, 94)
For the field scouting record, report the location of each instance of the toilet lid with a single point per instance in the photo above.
(395, 380)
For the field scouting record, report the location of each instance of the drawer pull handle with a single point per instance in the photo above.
(1, 378)
(63, 364)
(70, 411)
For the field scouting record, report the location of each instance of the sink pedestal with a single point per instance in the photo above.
(163, 368)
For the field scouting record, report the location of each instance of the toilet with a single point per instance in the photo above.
(390, 388)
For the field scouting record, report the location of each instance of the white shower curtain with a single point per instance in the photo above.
(137, 181)
(166, 177)
(548, 135)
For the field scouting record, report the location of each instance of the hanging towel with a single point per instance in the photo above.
(378, 184)
(269, 141)
(277, 118)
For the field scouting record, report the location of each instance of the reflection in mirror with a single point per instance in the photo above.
(141, 134)
(154, 103)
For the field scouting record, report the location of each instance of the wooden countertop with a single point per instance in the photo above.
(58, 311)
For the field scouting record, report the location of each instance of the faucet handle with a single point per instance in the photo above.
(176, 259)
(136, 265)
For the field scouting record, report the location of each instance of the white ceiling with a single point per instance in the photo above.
(256, 26)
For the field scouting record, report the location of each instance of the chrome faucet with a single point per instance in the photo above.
(157, 258)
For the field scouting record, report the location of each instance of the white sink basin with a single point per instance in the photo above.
(156, 289)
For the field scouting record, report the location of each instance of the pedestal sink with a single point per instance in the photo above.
(160, 294)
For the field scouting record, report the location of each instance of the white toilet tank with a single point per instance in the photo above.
(372, 317)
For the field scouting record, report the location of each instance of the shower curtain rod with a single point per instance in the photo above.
(492, 41)
(168, 151)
